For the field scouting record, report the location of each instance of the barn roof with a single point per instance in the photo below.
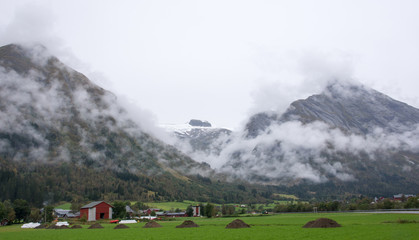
(92, 204)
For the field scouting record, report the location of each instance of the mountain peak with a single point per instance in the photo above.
(199, 123)
(354, 108)
(22, 59)
(351, 107)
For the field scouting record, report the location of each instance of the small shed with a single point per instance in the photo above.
(96, 211)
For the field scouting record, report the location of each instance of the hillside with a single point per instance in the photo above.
(349, 139)
(198, 136)
(62, 136)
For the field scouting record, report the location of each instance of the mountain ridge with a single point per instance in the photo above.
(64, 137)
(343, 136)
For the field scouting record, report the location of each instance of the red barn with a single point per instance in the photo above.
(96, 210)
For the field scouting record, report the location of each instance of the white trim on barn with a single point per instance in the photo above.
(110, 213)
(92, 214)
(196, 211)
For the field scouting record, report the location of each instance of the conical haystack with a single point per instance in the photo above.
(187, 224)
(238, 224)
(152, 224)
(322, 223)
(95, 226)
(120, 226)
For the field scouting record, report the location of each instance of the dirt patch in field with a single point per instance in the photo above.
(95, 226)
(151, 224)
(322, 223)
(187, 224)
(62, 227)
(76, 226)
(238, 223)
(42, 226)
(53, 226)
(120, 226)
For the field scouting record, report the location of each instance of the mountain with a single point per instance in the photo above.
(63, 137)
(351, 108)
(198, 136)
(348, 139)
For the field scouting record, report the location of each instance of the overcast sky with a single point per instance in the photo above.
(223, 60)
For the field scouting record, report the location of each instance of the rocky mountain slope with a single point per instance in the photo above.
(62, 136)
(348, 139)
(198, 136)
(351, 108)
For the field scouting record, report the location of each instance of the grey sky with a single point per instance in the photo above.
(222, 60)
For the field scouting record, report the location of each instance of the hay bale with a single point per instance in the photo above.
(322, 223)
(76, 226)
(238, 223)
(152, 224)
(120, 226)
(187, 224)
(95, 226)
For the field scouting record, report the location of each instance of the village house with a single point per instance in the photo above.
(96, 211)
(130, 211)
(150, 210)
(399, 197)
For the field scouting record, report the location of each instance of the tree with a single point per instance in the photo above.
(35, 215)
(387, 204)
(227, 210)
(119, 210)
(412, 202)
(47, 214)
(141, 206)
(189, 211)
(3, 212)
(76, 204)
(209, 210)
(22, 209)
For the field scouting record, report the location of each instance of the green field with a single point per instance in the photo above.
(167, 206)
(170, 205)
(65, 206)
(283, 226)
(183, 205)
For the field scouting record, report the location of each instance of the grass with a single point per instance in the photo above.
(183, 205)
(169, 205)
(287, 196)
(283, 226)
(65, 206)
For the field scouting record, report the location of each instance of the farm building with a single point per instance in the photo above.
(399, 197)
(129, 211)
(150, 210)
(96, 210)
(61, 213)
(170, 214)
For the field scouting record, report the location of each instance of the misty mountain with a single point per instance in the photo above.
(348, 139)
(62, 136)
(351, 108)
(198, 136)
